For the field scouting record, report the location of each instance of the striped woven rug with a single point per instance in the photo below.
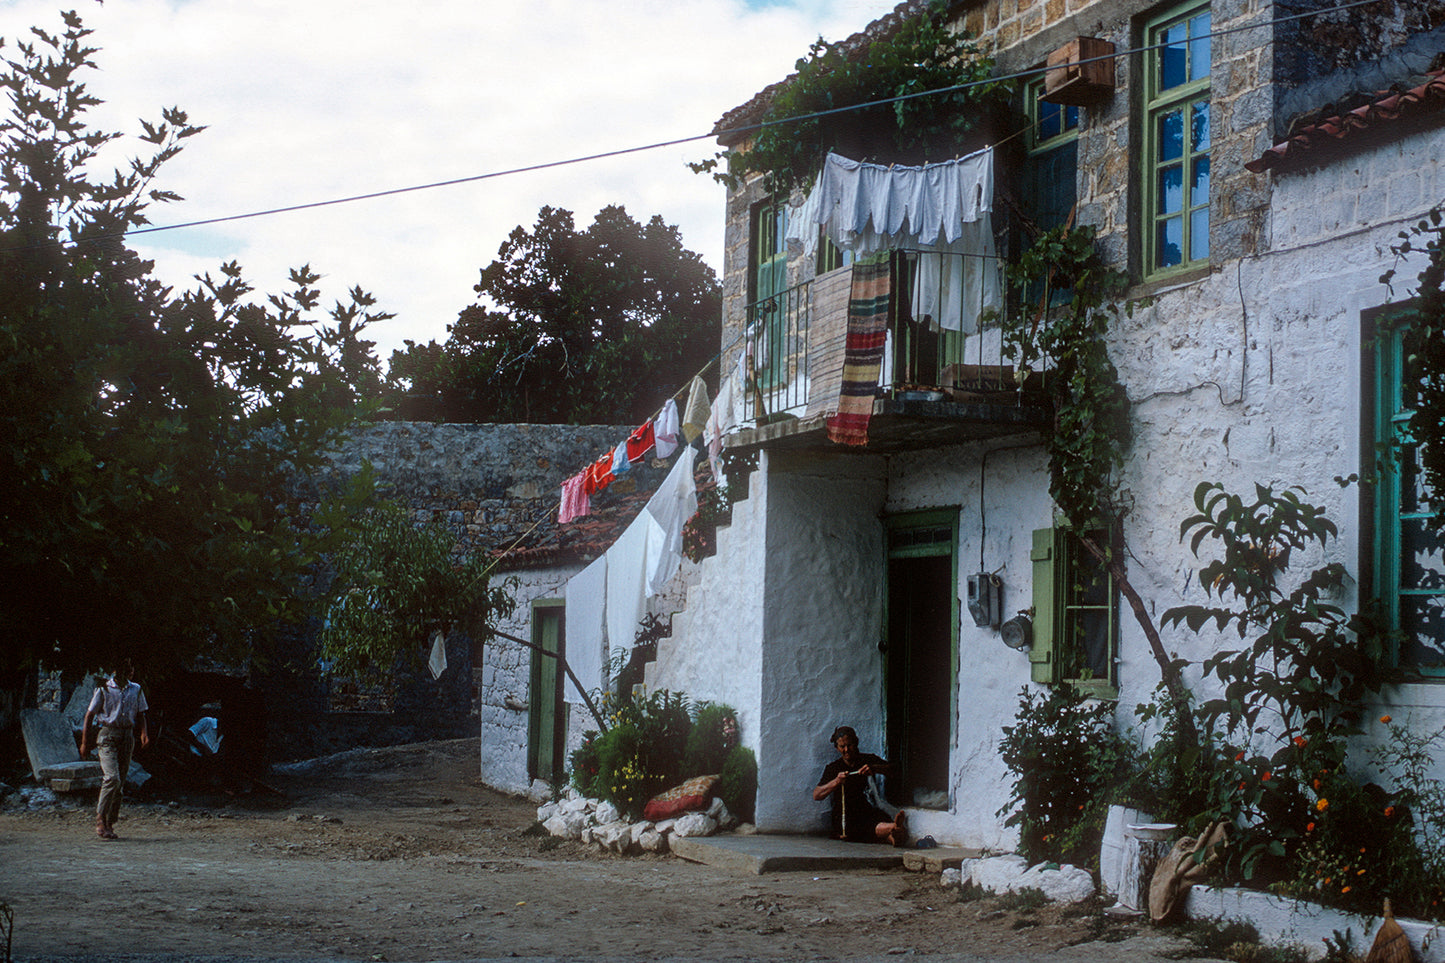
(863, 355)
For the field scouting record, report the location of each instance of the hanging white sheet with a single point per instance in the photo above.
(865, 208)
(586, 623)
(669, 508)
(627, 582)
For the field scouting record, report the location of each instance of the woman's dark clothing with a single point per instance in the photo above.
(854, 817)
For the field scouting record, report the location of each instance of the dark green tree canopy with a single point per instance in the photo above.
(146, 434)
(572, 327)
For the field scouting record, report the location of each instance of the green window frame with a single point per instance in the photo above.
(1408, 564)
(1052, 165)
(768, 285)
(1176, 140)
(1076, 613)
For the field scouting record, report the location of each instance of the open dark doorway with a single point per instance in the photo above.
(921, 648)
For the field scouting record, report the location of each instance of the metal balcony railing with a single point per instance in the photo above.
(795, 340)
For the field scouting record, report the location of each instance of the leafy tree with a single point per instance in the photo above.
(396, 582)
(146, 434)
(574, 327)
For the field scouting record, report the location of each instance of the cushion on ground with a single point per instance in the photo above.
(695, 794)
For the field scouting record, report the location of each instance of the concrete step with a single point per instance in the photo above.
(769, 853)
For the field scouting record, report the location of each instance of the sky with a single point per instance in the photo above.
(312, 100)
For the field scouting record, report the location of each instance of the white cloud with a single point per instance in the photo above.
(311, 100)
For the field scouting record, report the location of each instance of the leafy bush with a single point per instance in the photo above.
(738, 787)
(1065, 757)
(1294, 693)
(585, 765)
(642, 753)
(714, 735)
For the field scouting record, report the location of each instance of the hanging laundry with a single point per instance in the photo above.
(620, 462)
(599, 476)
(694, 415)
(627, 581)
(640, 442)
(863, 352)
(669, 508)
(665, 429)
(585, 625)
(575, 502)
(719, 421)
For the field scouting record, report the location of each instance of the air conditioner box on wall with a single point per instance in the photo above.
(1071, 80)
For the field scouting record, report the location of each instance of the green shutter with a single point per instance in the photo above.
(1041, 654)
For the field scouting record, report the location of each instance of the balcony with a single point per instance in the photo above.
(943, 381)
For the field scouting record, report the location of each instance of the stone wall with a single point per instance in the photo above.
(488, 483)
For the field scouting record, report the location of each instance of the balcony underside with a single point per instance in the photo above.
(901, 425)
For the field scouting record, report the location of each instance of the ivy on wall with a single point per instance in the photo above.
(923, 55)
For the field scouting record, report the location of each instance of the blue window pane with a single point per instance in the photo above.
(1171, 239)
(1199, 234)
(1199, 127)
(1199, 47)
(1171, 189)
(1071, 117)
(1171, 136)
(1050, 120)
(1173, 59)
(1199, 188)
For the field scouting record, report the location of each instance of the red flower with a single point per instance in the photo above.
(1300, 741)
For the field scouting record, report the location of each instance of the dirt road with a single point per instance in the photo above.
(400, 854)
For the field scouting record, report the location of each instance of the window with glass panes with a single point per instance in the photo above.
(1176, 140)
(1409, 555)
(1076, 624)
(768, 285)
(1051, 172)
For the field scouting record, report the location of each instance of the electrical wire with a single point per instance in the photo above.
(715, 133)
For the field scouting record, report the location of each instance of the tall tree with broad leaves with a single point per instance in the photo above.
(146, 434)
(572, 327)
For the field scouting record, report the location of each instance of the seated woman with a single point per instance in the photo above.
(845, 779)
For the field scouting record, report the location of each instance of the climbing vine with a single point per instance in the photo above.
(924, 54)
(1090, 432)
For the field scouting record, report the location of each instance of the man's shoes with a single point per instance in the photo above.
(104, 831)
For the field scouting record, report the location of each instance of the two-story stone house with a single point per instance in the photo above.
(1240, 162)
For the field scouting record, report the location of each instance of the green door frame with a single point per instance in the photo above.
(933, 522)
(546, 719)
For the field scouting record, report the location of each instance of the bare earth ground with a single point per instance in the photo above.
(401, 854)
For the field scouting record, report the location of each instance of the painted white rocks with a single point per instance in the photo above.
(1010, 874)
(599, 823)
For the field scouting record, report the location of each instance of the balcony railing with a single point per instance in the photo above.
(937, 341)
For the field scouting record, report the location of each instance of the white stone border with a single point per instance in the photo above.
(1285, 921)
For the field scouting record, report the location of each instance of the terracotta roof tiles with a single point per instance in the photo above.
(1333, 129)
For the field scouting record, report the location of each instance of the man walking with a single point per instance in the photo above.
(119, 707)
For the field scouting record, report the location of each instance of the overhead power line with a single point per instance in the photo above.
(731, 131)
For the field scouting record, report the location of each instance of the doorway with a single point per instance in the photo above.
(546, 725)
(921, 656)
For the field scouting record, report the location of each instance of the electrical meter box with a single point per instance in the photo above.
(985, 599)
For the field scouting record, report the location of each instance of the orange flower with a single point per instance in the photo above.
(1362, 849)
(1385, 719)
(1389, 812)
(1344, 890)
(1239, 756)
(1359, 872)
(1300, 741)
(1322, 805)
(1310, 827)
(1265, 777)
(1316, 784)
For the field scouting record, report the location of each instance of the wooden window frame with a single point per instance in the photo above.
(1053, 603)
(1185, 98)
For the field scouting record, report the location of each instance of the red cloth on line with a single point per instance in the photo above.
(599, 476)
(639, 443)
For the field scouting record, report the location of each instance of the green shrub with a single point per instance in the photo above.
(738, 785)
(585, 765)
(642, 754)
(714, 735)
(1065, 757)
